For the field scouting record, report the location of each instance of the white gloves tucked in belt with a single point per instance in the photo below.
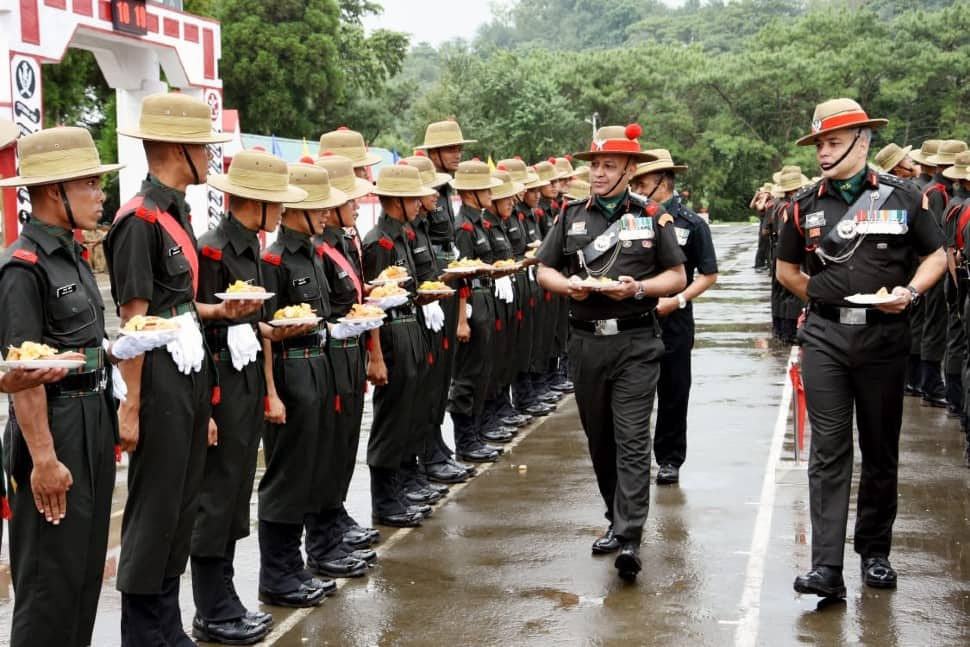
(243, 345)
(434, 316)
(353, 328)
(504, 289)
(187, 349)
(128, 346)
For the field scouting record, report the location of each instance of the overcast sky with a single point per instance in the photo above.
(433, 21)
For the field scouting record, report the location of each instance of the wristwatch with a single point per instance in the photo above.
(640, 293)
(681, 302)
(916, 295)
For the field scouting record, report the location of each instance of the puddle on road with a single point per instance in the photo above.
(562, 599)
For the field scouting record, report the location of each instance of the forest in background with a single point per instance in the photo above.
(726, 86)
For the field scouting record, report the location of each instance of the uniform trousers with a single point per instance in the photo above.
(673, 388)
(57, 570)
(442, 349)
(956, 344)
(858, 369)
(474, 358)
(615, 378)
(933, 340)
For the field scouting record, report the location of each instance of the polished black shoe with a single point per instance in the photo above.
(471, 470)
(229, 632)
(878, 573)
(305, 596)
(338, 567)
(912, 390)
(440, 489)
(628, 562)
(823, 581)
(365, 555)
(516, 420)
(259, 618)
(668, 475)
(420, 509)
(422, 495)
(445, 473)
(608, 543)
(937, 401)
(539, 409)
(551, 397)
(497, 436)
(399, 520)
(326, 585)
(565, 386)
(479, 455)
(953, 411)
(357, 539)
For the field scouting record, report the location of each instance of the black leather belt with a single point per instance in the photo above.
(303, 341)
(607, 327)
(78, 384)
(400, 312)
(482, 282)
(852, 316)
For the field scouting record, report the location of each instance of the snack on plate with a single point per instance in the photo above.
(883, 292)
(508, 262)
(433, 286)
(530, 254)
(393, 272)
(142, 323)
(299, 311)
(30, 350)
(603, 280)
(388, 290)
(466, 262)
(363, 311)
(242, 286)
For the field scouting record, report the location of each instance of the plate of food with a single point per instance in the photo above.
(467, 266)
(242, 291)
(435, 288)
(33, 355)
(536, 244)
(360, 313)
(392, 274)
(599, 283)
(531, 253)
(144, 325)
(389, 295)
(879, 298)
(505, 264)
(295, 315)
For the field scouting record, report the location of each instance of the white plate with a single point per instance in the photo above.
(42, 363)
(475, 269)
(170, 333)
(404, 279)
(295, 321)
(245, 296)
(352, 320)
(436, 293)
(872, 299)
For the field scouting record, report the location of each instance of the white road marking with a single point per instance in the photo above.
(746, 635)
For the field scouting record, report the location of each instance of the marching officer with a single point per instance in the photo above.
(854, 232)
(676, 312)
(60, 437)
(615, 345)
(165, 427)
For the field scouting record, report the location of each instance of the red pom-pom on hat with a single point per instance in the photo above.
(258, 148)
(343, 128)
(327, 153)
(569, 158)
(420, 153)
(501, 167)
(476, 159)
(633, 131)
(306, 159)
(518, 157)
(552, 160)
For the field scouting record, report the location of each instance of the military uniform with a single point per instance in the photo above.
(933, 337)
(673, 387)
(49, 295)
(227, 254)
(615, 346)
(854, 357)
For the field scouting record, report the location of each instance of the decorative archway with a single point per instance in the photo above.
(132, 41)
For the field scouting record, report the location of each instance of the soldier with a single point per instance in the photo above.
(350, 144)
(758, 204)
(854, 232)
(955, 358)
(61, 490)
(786, 307)
(229, 254)
(398, 355)
(896, 161)
(676, 312)
(615, 344)
(152, 260)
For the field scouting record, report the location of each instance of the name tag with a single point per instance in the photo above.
(341, 275)
(418, 250)
(683, 234)
(513, 229)
(578, 228)
(65, 290)
(175, 251)
(815, 219)
(480, 241)
(883, 221)
(636, 227)
(303, 280)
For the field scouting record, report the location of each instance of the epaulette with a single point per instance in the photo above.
(894, 181)
(573, 203)
(385, 242)
(467, 226)
(212, 252)
(25, 256)
(805, 191)
(651, 208)
(273, 259)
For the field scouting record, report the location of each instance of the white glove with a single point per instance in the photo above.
(434, 316)
(243, 345)
(532, 274)
(187, 349)
(504, 289)
(118, 386)
(128, 346)
(386, 303)
(468, 311)
(353, 329)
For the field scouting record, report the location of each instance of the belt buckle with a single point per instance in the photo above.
(605, 327)
(852, 316)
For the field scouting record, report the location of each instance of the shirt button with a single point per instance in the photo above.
(851, 268)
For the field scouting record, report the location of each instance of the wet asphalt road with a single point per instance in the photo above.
(505, 559)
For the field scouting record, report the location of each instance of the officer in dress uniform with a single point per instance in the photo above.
(165, 419)
(399, 351)
(60, 437)
(615, 342)
(229, 254)
(854, 232)
(676, 312)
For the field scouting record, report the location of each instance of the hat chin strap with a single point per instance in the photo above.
(262, 215)
(188, 159)
(309, 223)
(620, 179)
(848, 150)
(67, 205)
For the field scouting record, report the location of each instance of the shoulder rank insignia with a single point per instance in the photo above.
(273, 259)
(212, 252)
(26, 256)
(665, 219)
(467, 226)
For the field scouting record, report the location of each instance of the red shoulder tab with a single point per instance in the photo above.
(555, 205)
(212, 252)
(467, 226)
(386, 243)
(486, 224)
(652, 208)
(145, 214)
(410, 233)
(540, 212)
(24, 255)
(272, 259)
(521, 216)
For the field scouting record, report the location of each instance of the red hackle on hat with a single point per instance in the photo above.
(633, 131)
(518, 157)
(343, 128)
(306, 159)
(569, 158)
(501, 167)
(552, 160)
(258, 148)
(476, 159)
(420, 153)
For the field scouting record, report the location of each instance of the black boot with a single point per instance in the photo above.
(914, 376)
(954, 394)
(934, 392)
(386, 507)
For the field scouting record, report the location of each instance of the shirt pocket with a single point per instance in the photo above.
(422, 256)
(482, 247)
(177, 273)
(71, 313)
(303, 289)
